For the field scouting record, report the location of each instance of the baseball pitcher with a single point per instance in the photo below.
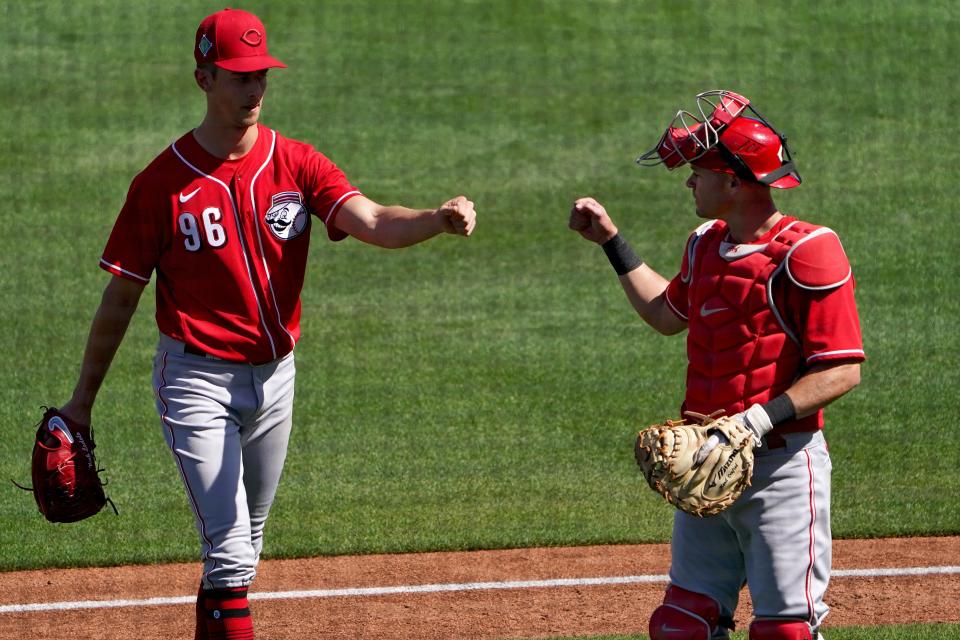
(223, 219)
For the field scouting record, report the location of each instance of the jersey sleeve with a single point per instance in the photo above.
(828, 322)
(326, 188)
(678, 289)
(676, 297)
(133, 248)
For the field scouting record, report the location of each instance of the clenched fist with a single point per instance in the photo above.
(459, 216)
(590, 220)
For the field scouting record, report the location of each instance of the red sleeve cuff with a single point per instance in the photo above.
(330, 219)
(837, 354)
(122, 273)
(674, 306)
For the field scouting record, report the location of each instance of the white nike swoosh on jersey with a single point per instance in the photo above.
(184, 198)
(704, 312)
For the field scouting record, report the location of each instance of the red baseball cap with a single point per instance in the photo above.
(234, 40)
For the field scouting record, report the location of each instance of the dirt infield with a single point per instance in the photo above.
(506, 606)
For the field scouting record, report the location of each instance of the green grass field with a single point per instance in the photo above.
(483, 393)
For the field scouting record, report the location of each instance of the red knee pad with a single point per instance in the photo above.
(684, 615)
(780, 629)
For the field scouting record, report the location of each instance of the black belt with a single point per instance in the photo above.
(775, 441)
(192, 350)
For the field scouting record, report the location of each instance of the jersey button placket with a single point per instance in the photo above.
(249, 236)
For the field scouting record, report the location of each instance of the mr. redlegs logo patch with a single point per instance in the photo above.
(287, 218)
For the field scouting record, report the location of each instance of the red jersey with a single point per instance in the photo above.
(228, 240)
(760, 314)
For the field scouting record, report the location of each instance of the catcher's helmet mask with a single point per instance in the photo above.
(689, 138)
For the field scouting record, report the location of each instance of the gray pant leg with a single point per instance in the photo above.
(197, 403)
(705, 558)
(786, 531)
(776, 537)
(265, 443)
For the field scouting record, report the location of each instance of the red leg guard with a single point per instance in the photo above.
(780, 629)
(227, 614)
(684, 615)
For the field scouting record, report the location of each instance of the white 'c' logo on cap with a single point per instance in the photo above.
(252, 37)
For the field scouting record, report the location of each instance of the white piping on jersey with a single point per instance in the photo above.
(786, 328)
(256, 226)
(838, 352)
(782, 230)
(773, 305)
(674, 309)
(697, 234)
(124, 271)
(770, 300)
(243, 245)
(336, 204)
(786, 261)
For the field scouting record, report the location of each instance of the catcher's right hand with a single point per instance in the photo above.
(667, 455)
(756, 419)
(66, 480)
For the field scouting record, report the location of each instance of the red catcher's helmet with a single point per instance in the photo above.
(725, 140)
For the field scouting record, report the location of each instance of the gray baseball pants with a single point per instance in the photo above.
(227, 425)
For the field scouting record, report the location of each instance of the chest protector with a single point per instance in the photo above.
(740, 348)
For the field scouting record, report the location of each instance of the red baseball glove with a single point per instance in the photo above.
(66, 480)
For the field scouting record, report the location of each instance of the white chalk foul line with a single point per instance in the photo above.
(880, 573)
(436, 588)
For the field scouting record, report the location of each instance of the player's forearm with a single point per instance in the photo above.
(119, 302)
(393, 227)
(646, 290)
(396, 227)
(822, 385)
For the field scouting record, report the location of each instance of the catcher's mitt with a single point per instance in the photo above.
(66, 480)
(665, 453)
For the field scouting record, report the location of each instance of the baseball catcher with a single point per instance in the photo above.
(66, 480)
(773, 336)
(700, 466)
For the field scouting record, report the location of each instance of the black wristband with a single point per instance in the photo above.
(780, 409)
(620, 255)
